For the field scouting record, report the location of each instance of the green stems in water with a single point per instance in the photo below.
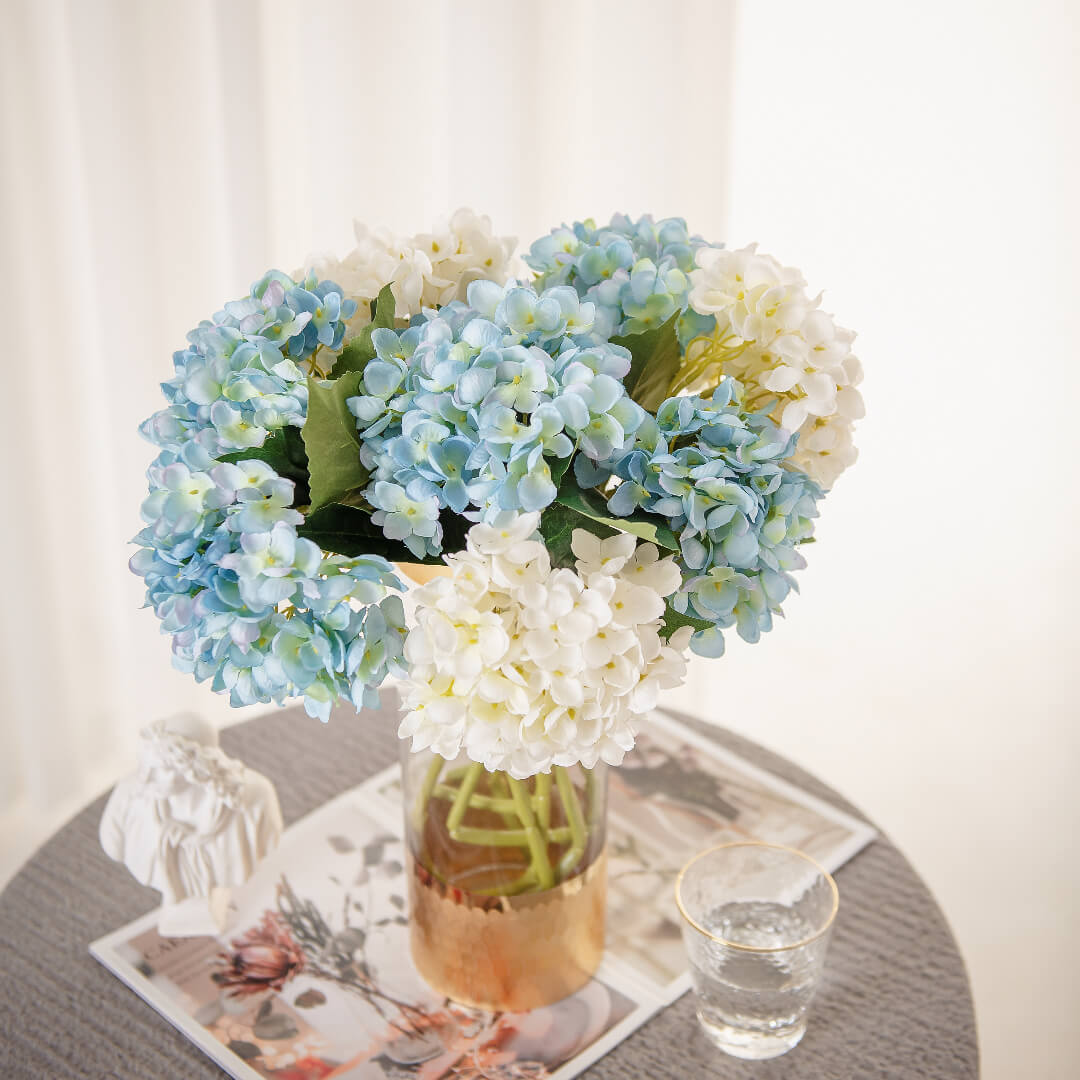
(578, 831)
(461, 800)
(542, 798)
(538, 857)
(526, 817)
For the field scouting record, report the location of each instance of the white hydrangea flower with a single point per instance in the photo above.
(754, 293)
(609, 556)
(776, 341)
(426, 270)
(523, 666)
(506, 533)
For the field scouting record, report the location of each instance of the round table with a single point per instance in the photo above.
(895, 1002)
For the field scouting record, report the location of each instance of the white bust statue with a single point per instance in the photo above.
(191, 822)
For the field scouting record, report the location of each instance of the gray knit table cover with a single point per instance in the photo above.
(895, 1002)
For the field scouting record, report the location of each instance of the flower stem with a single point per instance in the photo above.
(468, 834)
(461, 800)
(704, 358)
(578, 832)
(524, 882)
(542, 801)
(539, 862)
(500, 786)
(478, 802)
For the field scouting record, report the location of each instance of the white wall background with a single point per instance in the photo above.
(918, 162)
(922, 166)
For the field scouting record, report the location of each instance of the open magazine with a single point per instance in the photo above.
(327, 912)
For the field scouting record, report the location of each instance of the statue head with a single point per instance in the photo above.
(191, 726)
(182, 751)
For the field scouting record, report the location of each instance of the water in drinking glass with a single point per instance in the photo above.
(756, 931)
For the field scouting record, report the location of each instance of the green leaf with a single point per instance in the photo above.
(673, 620)
(454, 529)
(557, 525)
(591, 505)
(355, 498)
(574, 508)
(284, 452)
(557, 467)
(359, 351)
(348, 530)
(332, 441)
(294, 446)
(656, 361)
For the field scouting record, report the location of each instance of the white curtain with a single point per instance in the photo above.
(158, 157)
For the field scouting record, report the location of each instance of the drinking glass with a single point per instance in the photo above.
(756, 925)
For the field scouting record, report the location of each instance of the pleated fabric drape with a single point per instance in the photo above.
(159, 157)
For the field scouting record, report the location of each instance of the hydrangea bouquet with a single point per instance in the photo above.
(614, 458)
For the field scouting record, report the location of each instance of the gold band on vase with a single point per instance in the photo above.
(507, 953)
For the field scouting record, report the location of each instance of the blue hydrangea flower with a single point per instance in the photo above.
(222, 604)
(635, 273)
(719, 476)
(251, 606)
(263, 499)
(273, 567)
(408, 514)
(240, 378)
(219, 554)
(476, 408)
(377, 647)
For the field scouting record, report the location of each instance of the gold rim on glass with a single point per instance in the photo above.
(758, 948)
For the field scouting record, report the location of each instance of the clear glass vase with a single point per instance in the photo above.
(506, 879)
